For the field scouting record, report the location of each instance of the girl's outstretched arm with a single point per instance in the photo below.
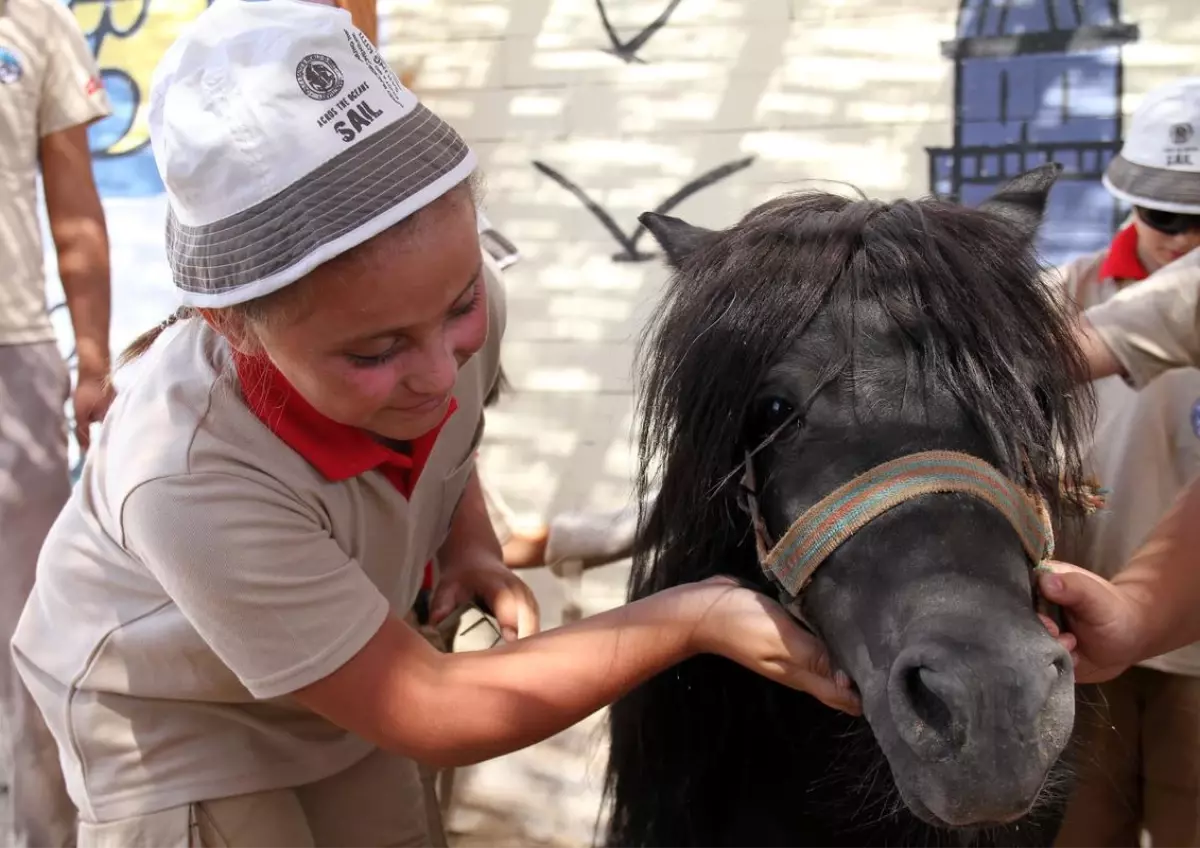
(456, 709)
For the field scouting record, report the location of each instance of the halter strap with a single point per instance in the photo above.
(817, 533)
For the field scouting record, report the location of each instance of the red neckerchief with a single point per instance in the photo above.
(338, 451)
(1122, 261)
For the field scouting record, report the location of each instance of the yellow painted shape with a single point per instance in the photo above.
(137, 51)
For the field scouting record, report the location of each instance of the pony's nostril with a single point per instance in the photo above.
(924, 699)
(1061, 665)
(929, 707)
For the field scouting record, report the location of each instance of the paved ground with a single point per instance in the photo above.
(548, 794)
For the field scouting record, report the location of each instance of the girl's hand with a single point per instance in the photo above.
(756, 632)
(1108, 622)
(487, 578)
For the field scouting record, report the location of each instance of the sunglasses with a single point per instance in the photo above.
(1168, 223)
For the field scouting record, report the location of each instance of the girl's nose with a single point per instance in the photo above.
(438, 369)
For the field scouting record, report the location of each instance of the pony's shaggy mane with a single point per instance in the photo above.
(964, 286)
(966, 289)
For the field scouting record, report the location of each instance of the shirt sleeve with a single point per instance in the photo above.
(257, 574)
(1151, 327)
(72, 91)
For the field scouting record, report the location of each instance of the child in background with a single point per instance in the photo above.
(1141, 767)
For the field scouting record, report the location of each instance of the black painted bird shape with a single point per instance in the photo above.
(627, 50)
(628, 243)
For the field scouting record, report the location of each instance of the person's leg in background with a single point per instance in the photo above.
(591, 538)
(1171, 758)
(1104, 810)
(34, 485)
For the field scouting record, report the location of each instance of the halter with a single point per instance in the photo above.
(819, 531)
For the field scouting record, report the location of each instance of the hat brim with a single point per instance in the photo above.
(1153, 188)
(358, 194)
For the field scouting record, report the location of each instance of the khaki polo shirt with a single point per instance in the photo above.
(203, 570)
(1145, 449)
(1154, 326)
(49, 82)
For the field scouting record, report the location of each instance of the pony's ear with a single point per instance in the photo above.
(676, 236)
(1022, 201)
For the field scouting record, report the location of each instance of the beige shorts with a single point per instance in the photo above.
(1140, 764)
(383, 801)
(34, 486)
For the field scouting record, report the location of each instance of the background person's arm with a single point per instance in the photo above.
(364, 15)
(1164, 573)
(72, 97)
(1098, 355)
(1150, 607)
(1147, 328)
(81, 241)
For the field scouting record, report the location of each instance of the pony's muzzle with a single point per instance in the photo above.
(984, 720)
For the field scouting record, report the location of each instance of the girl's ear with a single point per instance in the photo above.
(234, 328)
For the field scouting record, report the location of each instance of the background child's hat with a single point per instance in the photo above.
(1159, 165)
(284, 139)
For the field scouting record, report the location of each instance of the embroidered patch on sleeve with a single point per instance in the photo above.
(10, 66)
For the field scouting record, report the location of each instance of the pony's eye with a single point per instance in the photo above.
(770, 414)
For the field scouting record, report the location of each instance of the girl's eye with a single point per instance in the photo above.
(389, 349)
(468, 307)
(769, 415)
(360, 360)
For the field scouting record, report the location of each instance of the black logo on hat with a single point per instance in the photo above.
(1182, 133)
(319, 77)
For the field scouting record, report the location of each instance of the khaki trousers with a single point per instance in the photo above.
(34, 486)
(384, 800)
(1140, 764)
(381, 801)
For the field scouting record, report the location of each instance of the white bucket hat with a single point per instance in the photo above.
(1159, 164)
(283, 140)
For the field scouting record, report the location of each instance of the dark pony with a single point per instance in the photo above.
(825, 335)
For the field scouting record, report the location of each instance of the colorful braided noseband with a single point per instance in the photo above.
(816, 534)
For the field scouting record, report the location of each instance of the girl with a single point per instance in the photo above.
(217, 635)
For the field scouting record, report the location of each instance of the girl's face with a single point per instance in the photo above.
(385, 328)
(1157, 249)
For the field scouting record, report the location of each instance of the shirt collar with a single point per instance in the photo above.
(1122, 261)
(338, 451)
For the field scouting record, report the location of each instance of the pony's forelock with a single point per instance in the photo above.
(965, 288)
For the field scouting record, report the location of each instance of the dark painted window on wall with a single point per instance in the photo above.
(1035, 81)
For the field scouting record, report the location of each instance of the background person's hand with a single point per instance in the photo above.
(758, 633)
(1107, 622)
(91, 400)
(487, 578)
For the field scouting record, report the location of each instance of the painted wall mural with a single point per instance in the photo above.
(1034, 82)
(629, 242)
(127, 38)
